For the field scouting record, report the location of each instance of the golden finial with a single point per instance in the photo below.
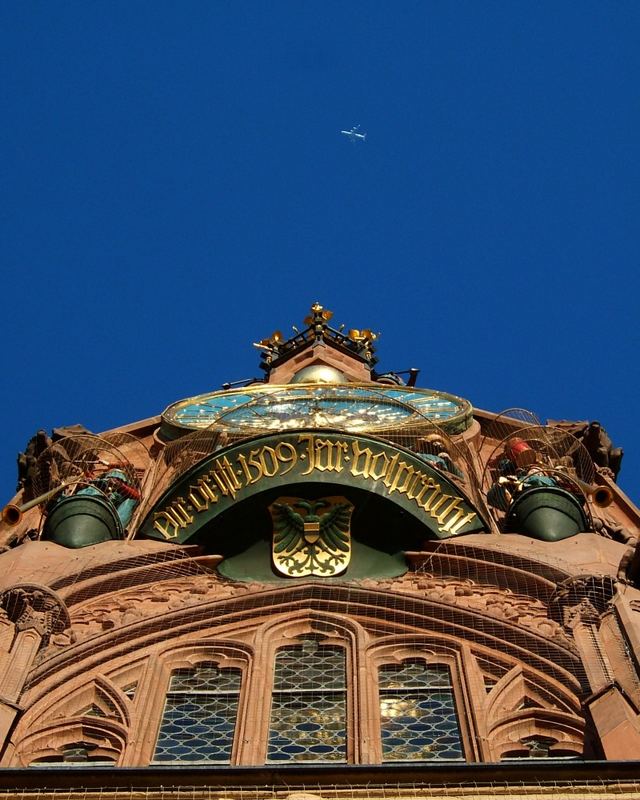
(365, 335)
(318, 315)
(271, 343)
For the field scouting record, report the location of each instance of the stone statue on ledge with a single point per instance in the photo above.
(595, 438)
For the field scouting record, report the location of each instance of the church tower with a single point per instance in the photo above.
(326, 581)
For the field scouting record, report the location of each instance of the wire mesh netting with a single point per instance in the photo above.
(465, 655)
(513, 790)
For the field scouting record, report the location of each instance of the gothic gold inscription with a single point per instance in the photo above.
(357, 462)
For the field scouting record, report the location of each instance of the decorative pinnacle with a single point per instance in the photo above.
(317, 329)
(319, 315)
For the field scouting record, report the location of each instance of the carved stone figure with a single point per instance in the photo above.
(27, 461)
(594, 437)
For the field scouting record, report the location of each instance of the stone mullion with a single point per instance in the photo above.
(251, 746)
(613, 640)
(146, 713)
(7, 633)
(14, 666)
(369, 694)
(358, 702)
(628, 616)
(473, 721)
(24, 650)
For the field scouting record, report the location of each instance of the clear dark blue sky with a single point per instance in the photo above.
(174, 187)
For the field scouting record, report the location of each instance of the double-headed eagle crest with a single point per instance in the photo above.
(311, 537)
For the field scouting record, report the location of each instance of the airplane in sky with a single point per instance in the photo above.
(353, 134)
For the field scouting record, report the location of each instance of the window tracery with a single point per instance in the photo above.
(199, 717)
(308, 708)
(418, 718)
(300, 685)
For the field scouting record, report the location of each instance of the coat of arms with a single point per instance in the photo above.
(311, 537)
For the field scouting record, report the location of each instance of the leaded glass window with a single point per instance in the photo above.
(199, 716)
(308, 709)
(418, 717)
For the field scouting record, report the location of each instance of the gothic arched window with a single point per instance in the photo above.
(309, 704)
(199, 718)
(418, 719)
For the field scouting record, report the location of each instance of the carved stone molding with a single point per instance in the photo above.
(30, 606)
(584, 612)
(582, 599)
(503, 604)
(132, 605)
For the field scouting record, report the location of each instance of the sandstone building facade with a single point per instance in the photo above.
(329, 581)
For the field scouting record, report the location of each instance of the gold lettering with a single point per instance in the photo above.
(176, 515)
(223, 474)
(245, 468)
(375, 472)
(202, 494)
(181, 513)
(291, 459)
(462, 523)
(324, 447)
(254, 461)
(428, 485)
(357, 452)
(438, 504)
(341, 449)
(324, 455)
(390, 468)
(200, 503)
(170, 533)
(450, 524)
(420, 480)
(275, 466)
(395, 484)
(310, 453)
(206, 490)
(328, 455)
(454, 504)
(426, 504)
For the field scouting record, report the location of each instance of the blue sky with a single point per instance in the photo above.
(175, 187)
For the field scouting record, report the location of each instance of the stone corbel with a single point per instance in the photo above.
(579, 604)
(31, 615)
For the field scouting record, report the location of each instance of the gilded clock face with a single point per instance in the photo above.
(352, 407)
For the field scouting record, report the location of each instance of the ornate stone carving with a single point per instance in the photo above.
(133, 605)
(584, 611)
(582, 599)
(27, 461)
(30, 606)
(609, 528)
(500, 603)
